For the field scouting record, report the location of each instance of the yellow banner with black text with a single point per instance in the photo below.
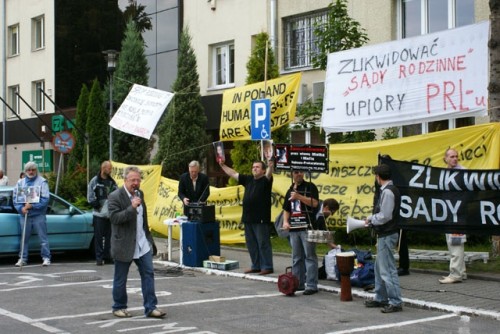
(350, 178)
(235, 115)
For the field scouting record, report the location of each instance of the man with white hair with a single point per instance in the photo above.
(34, 213)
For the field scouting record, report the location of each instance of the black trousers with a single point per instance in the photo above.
(404, 256)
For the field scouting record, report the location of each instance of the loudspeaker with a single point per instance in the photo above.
(353, 224)
(200, 213)
(199, 241)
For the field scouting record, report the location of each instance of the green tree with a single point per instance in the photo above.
(245, 153)
(78, 155)
(181, 132)
(337, 32)
(97, 124)
(137, 13)
(132, 67)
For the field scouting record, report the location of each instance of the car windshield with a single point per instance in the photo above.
(6, 203)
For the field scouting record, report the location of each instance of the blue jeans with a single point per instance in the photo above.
(258, 240)
(304, 260)
(386, 275)
(145, 266)
(102, 238)
(39, 223)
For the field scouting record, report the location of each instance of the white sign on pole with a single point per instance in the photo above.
(141, 110)
(421, 79)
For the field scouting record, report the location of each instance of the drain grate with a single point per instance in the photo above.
(77, 278)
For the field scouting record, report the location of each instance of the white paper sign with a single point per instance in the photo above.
(141, 110)
(426, 78)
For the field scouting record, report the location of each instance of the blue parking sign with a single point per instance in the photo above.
(261, 119)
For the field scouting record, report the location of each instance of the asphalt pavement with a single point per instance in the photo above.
(479, 295)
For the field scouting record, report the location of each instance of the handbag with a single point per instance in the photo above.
(278, 225)
(288, 283)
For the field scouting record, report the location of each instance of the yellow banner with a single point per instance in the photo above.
(235, 116)
(350, 179)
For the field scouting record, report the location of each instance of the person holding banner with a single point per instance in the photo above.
(257, 214)
(33, 215)
(384, 222)
(193, 186)
(455, 242)
(300, 209)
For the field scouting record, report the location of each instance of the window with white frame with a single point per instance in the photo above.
(419, 17)
(38, 97)
(299, 39)
(223, 64)
(13, 99)
(13, 40)
(38, 32)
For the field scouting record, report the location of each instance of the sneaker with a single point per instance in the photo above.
(122, 313)
(20, 263)
(46, 262)
(374, 303)
(392, 308)
(308, 292)
(450, 280)
(156, 313)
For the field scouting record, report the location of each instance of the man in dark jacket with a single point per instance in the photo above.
(193, 186)
(384, 222)
(98, 191)
(131, 240)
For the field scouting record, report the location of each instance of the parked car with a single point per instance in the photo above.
(69, 228)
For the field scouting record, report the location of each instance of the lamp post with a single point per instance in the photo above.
(111, 57)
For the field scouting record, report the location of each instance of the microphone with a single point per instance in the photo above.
(137, 193)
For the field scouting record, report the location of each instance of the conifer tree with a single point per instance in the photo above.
(181, 133)
(132, 68)
(78, 156)
(97, 125)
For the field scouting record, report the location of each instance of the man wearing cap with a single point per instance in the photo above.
(384, 222)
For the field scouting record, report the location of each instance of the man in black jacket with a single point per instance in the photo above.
(193, 186)
(98, 190)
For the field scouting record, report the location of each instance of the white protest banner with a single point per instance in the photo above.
(140, 111)
(421, 79)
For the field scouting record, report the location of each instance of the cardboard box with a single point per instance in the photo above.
(226, 265)
(215, 258)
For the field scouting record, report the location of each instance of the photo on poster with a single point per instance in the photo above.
(27, 194)
(219, 152)
(267, 146)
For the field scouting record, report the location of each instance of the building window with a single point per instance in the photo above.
(299, 39)
(38, 33)
(223, 65)
(421, 17)
(13, 99)
(38, 97)
(13, 41)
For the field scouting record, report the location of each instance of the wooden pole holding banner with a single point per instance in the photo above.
(263, 96)
(23, 235)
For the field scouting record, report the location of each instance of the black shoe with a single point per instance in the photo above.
(403, 272)
(392, 308)
(99, 262)
(308, 292)
(374, 303)
(369, 287)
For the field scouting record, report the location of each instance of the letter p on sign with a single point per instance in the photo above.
(261, 119)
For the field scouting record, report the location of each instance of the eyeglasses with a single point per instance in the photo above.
(31, 170)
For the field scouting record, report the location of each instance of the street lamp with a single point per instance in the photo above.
(111, 57)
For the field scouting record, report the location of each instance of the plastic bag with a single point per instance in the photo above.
(330, 263)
